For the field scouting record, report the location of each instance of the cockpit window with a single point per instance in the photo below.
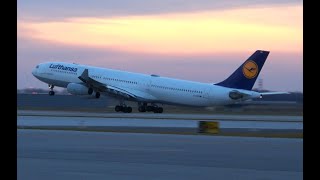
(37, 66)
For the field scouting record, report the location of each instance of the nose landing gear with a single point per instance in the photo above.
(51, 92)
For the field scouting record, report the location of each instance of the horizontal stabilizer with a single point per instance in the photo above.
(273, 93)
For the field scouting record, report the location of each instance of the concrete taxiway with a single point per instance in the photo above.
(68, 155)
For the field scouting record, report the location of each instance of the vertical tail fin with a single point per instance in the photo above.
(245, 76)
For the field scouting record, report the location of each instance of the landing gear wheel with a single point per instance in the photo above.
(90, 91)
(128, 109)
(97, 95)
(51, 93)
(159, 110)
(150, 108)
(125, 109)
(118, 108)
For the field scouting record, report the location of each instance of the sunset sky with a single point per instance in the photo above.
(201, 40)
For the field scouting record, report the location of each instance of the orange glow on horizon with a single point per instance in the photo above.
(233, 30)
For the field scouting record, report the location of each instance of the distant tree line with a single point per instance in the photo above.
(39, 91)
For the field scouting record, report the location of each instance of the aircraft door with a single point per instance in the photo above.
(147, 84)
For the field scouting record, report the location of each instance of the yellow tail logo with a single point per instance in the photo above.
(250, 69)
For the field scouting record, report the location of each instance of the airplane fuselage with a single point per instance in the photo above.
(150, 88)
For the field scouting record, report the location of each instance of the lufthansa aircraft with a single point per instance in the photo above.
(151, 90)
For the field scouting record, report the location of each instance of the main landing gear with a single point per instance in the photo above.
(143, 107)
(90, 92)
(97, 95)
(51, 92)
(123, 108)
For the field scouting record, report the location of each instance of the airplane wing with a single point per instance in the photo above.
(273, 93)
(96, 85)
(112, 90)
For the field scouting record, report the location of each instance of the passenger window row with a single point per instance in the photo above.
(176, 89)
(65, 72)
(117, 80)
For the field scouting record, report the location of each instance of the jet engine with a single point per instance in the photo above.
(78, 89)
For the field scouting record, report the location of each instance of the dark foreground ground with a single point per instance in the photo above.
(68, 155)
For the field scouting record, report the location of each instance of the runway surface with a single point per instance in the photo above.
(61, 118)
(276, 118)
(91, 155)
(134, 122)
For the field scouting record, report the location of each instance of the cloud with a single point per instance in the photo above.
(179, 33)
(45, 10)
(200, 40)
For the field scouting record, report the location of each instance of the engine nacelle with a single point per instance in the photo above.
(78, 89)
(235, 95)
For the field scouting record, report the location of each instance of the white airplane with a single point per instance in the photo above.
(151, 90)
